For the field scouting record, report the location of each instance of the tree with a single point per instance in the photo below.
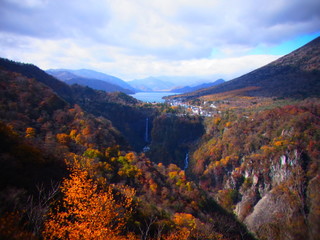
(30, 132)
(87, 211)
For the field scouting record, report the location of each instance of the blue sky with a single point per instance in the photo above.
(139, 38)
(286, 47)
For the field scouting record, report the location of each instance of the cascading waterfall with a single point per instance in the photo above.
(146, 138)
(186, 161)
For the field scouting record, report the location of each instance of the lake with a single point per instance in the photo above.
(151, 96)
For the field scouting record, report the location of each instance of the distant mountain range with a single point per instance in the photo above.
(176, 84)
(197, 87)
(93, 79)
(296, 75)
(151, 84)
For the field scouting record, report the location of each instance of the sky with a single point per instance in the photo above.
(134, 39)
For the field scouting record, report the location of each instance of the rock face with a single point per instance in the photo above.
(277, 202)
(273, 206)
(314, 207)
(265, 169)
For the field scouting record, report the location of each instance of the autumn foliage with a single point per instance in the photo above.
(87, 211)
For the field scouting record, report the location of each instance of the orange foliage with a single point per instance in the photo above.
(87, 211)
(228, 124)
(86, 131)
(180, 234)
(217, 120)
(131, 157)
(153, 185)
(184, 219)
(30, 132)
(63, 138)
(73, 133)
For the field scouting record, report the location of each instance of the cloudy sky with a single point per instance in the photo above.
(139, 38)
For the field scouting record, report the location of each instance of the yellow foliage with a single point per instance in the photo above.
(173, 174)
(224, 161)
(189, 186)
(153, 186)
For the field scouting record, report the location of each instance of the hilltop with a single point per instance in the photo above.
(93, 79)
(197, 87)
(296, 75)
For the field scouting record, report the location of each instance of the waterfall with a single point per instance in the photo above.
(146, 138)
(186, 161)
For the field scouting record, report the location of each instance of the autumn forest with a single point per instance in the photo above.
(79, 163)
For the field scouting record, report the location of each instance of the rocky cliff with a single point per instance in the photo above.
(264, 167)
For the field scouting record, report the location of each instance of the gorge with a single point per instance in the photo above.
(250, 170)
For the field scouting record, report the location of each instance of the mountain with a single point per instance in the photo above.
(32, 71)
(99, 85)
(121, 109)
(263, 165)
(197, 87)
(151, 84)
(61, 161)
(71, 78)
(92, 79)
(187, 80)
(258, 165)
(295, 75)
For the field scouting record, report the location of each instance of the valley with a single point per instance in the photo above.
(238, 160)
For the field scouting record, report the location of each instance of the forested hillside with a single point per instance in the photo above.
(78, 163)
(264, 166)
(125, 112)
(173, 136)
(69, 174)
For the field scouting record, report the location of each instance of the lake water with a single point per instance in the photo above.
(151, 96)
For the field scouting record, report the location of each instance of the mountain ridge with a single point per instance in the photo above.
(294, 75)
(93, 77)
(151, 84)
(70, 78)
(187, 89)
(44, 138)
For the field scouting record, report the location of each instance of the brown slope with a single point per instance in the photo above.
(294, 75)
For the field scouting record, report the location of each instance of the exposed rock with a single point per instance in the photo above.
(314, 207)
(277, 216)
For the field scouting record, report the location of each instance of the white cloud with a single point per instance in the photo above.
(137, 38)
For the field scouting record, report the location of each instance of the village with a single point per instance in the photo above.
(205, 109)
